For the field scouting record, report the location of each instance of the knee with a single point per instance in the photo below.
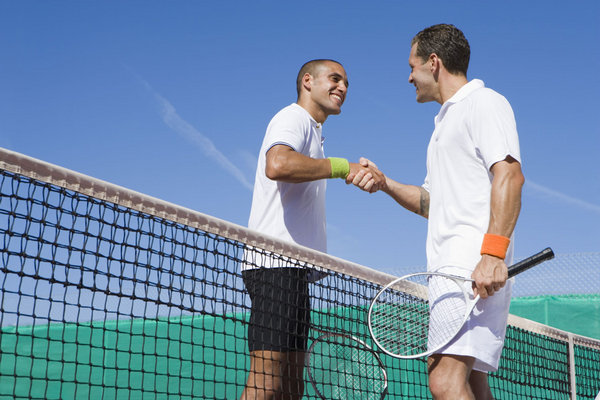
(261, 386)
(444, 384)
(448, 377)
(439, 387)
(264, 379)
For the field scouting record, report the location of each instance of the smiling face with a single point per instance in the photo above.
(421, 76)
(324, 91)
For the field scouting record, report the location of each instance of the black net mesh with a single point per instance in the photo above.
(98, 300)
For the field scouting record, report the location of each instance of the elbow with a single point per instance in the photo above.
(520, 179)
(514, 183)
(274, 169)
(271, 172)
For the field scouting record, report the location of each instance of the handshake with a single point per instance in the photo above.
(366, 176)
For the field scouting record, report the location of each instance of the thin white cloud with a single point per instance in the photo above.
(185, 129)
(562, 197)
(248, 160)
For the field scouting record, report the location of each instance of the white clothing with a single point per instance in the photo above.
(294, 212)
(474, 129)
(482, 336)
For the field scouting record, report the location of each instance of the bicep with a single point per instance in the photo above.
(508, 168)
(278, 150)
(276, 159)
(287, 165)
(505, 201)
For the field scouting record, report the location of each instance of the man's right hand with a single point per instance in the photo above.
(366, 176)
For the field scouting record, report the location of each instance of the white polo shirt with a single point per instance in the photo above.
(474, 129)
(294, 212)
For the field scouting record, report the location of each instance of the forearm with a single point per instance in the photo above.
(491, 273)
(413, 198)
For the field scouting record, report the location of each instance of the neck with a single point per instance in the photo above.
(316, 112)
(450, 84)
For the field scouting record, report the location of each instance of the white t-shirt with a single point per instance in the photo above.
(294, 212)
(474, 129)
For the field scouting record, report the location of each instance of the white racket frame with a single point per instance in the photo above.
(417, 290)
(368, 348)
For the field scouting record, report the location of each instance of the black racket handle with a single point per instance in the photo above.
(524, 265)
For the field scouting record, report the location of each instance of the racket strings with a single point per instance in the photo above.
(448, 310)
(342, 368)
(400, 322)
(406, 323)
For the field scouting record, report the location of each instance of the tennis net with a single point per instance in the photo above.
(108, 293)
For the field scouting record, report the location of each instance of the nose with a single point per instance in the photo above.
(410, 78)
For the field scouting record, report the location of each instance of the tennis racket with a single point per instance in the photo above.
(418, 314)
(344, 367)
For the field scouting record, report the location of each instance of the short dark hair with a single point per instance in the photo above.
(311, 68)
(448, 43)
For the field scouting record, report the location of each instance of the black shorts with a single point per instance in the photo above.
(280, 313)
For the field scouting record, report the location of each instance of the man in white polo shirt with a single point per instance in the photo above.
(472, 199)
(289, 203)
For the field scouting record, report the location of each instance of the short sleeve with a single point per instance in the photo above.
(286, 127)
(493, 128)
(425, 184)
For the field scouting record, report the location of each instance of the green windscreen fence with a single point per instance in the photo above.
(579, 314)
(191, 357)
(206, 357)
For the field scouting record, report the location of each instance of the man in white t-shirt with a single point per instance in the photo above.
(289, 203)
(472, 199)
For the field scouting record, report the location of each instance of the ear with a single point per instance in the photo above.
(432, 62)
(307, 81)
(435, 63)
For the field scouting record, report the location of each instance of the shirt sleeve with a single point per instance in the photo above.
(425, 184)
(494, 129)
(286, 128)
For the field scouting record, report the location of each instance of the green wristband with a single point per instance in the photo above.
(340, 167)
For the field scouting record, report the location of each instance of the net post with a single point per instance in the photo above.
(572, 373)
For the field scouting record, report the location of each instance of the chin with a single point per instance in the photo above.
(422, 99)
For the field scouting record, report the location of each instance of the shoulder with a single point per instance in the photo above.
(293, 112)
(486, 96)
(485, 102)
(292, 118)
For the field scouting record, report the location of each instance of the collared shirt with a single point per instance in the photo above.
(291, 211)
(474, 129)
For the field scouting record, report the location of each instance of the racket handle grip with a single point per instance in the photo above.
(524, 265)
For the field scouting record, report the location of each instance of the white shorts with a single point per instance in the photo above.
(482, 336)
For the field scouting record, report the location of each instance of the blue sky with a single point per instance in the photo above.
(172, 98)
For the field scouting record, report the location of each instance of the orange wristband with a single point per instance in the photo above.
(495, 245)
